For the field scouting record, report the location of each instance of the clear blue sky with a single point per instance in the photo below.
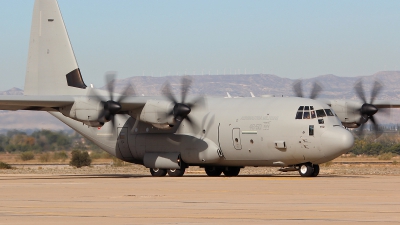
(294, 39)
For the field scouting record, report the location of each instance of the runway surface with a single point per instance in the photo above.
(197, 199)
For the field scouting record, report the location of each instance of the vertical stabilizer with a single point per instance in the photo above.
(52, 67)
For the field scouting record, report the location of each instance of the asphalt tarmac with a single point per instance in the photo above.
(198, 199)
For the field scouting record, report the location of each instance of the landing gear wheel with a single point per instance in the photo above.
(231, 171)
(176, 172)
(213, 171)
(316, 170)
(306, 170)
(155, 172)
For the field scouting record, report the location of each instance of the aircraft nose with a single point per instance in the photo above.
(336, 141)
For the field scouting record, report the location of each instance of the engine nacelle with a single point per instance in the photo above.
(156, 112)
(87, 110)
(348, 112)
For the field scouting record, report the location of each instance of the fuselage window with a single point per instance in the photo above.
(306, 114)
(329, 112)
(312, 114)
(320, 113)
(311, 130)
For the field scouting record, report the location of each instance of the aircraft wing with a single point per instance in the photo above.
(52, 103)
(34, 102)
(387, 104)
(378, 103)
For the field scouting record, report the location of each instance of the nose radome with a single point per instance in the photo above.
(336, 141)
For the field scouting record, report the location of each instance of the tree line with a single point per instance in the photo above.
(43, 140)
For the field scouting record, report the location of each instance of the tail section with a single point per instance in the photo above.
(52, 68)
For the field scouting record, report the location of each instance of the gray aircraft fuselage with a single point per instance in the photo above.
(233, 132)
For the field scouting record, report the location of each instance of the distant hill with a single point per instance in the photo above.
(217, 85)
(12, 91)
(265, 84)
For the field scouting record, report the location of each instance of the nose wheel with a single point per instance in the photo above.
(309, 170)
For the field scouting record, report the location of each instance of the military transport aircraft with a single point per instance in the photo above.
(166, 134)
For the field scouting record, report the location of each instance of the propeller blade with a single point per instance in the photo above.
(360, 131)
(375, 127)
(298, 89)
(375, 91)
(317, 88)
(358, 87)
(128, 91)
(94, 94)
(110, 83)
(198, 102)
(193, 126)
(186, 83)
(166, 91)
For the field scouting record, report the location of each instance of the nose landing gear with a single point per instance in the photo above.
(309, 170)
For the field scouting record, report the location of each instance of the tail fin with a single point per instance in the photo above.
(52, 68)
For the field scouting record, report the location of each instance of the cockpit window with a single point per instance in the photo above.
(329, 112)
(312, 115)
(306, 114)
(299, 115)
(320, 113)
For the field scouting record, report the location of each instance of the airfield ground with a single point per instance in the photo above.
(57, 194)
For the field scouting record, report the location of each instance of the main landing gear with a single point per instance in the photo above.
(155, 172)
(215, 171)
(309, 170)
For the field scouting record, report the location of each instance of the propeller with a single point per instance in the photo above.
(298, 89)
(368, 109)
(112, 105)
(182, 109)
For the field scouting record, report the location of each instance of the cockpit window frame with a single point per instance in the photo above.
(329, 112)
